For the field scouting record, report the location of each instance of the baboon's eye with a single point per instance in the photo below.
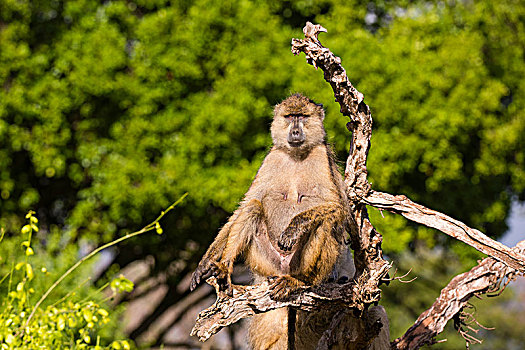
(298, 116)
(302, 117)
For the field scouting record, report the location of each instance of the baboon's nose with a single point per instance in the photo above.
(296, 137)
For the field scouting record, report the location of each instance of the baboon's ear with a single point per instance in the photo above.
(320, 110)
(276, 110)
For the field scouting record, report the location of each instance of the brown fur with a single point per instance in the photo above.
(291, 223)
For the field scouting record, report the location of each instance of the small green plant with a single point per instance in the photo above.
(67, 323)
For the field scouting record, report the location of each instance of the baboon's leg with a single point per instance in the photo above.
(268, 331)
(315, 236)
(306, 222)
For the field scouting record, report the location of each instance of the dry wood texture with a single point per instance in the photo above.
(454, 228)
(489, 276)
(249, 300)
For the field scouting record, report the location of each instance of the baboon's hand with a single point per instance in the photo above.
(282, 287)
(203, 269)
(288, 238)
(291, 234)
(209, 268)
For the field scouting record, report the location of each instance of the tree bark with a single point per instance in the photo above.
(489, 276)
(250, 300)
(403, 206)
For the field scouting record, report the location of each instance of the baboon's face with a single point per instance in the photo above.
(298, 124)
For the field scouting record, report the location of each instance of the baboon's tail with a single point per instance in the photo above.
(292, 315)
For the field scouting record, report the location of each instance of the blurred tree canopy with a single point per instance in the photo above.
(109, 111)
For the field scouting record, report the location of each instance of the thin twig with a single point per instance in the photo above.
(146, 228)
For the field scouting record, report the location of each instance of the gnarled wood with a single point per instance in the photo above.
(489, 276)
(250, 300)
(403, 206)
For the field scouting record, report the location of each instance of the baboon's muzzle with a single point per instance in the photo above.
(296, 136)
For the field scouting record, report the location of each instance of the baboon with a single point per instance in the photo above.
(291, 224)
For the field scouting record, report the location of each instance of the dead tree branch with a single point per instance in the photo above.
(454, 228)
(489, 276)
(250, 300)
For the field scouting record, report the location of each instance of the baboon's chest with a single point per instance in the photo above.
(294, 195)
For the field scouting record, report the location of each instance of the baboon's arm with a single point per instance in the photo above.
(331, 214)
(248, 223)
(232, 240)
(213, 255)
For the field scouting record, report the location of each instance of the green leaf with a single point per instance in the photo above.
(29, 251)
(29, 270)
(61, 323)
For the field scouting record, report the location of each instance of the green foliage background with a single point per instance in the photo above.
(111, 110)
(73, 316)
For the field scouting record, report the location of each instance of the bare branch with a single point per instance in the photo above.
(488, 276)
(250, 300)
(400, 278)
(431, 218)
